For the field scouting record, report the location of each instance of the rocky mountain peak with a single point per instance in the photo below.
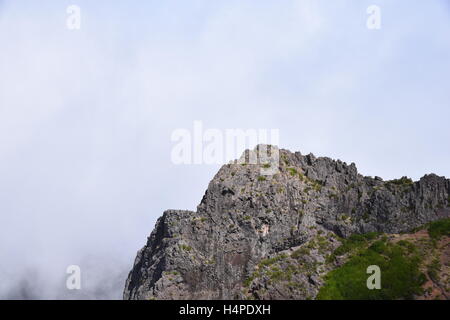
(247, 216)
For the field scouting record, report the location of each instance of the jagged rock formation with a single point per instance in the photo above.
(245, 219)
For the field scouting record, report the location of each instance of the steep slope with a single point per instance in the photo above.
(246, 219)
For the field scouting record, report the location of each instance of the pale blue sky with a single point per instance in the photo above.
(86, 116)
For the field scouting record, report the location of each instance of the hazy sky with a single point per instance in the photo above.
(86, 115)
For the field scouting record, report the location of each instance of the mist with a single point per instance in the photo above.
(86, 115)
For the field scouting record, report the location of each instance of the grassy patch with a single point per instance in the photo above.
(433, 270)
(317, 186)
(248, 281)
(439, 228)
(300, 253)
(403, 181)
(270, 261)
(185, 247)
(355, 241)
(400, 274)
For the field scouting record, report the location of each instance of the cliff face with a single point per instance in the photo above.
(245, 219)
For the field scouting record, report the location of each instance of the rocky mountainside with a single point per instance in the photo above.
(280, 236)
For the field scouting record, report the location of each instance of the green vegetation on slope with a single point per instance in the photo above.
(399, 264)
(439, 228)
(354, 242)
(403, 181)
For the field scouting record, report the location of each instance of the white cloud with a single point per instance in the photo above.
(86, 116)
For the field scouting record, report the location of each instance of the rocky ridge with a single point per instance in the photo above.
(251, 229)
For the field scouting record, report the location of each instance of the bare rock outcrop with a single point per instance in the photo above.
(246, 218)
